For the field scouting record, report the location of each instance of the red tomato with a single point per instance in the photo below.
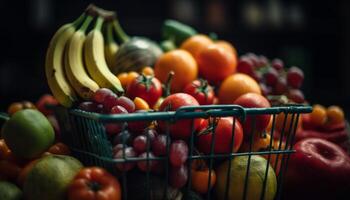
(223, 137)
(201, 91)
(148, 88)
(252, 100)
(181, 129)
(94, 183)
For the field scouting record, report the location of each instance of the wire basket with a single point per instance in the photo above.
(85, 134)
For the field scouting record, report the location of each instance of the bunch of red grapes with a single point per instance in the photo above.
(273, 77)
(139, 139)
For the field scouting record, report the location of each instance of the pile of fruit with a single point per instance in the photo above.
(88, 70)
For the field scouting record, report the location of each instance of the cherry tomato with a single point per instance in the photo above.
(201, 91)
(223, 137)
(148, 88)
(45, 100)
(94, 183)
(59, 149)
(181, 129)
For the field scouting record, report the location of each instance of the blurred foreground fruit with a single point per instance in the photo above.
(195, 44)
(45, 101)
(335, 114)
(28, 133)
(318, 170)
(236, 85)
(97, 182)
(9, 191)
(50, 177)
(17, 106)
(237, 177)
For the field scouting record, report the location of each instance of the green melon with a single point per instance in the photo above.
(50, 177)
(28, 133)
(9, 191)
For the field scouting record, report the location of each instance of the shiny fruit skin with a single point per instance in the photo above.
(201, 91)
(181, 63)
(181, 129)
(195, 44)
(215, 63)
(223, 137)
(146, 87)
(318, 116)
(252, 100)
(236, 85)
(335, 114)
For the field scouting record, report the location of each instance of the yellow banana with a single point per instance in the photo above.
(54, 66)
(74, 64)
(111, 47)
(96, 62)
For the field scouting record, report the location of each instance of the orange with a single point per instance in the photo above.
(200, 179)
(215, 63)
(123, 78)
(140, 104)
(196, 44)
(335, 114)
(181, 63)
(148, 71)
(279, 122)
(228, 46)
(236, 85)
(318, 116)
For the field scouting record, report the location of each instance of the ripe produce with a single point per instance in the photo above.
(201, 91)
(319, 169)
(181, 63)
(46, 100)
(318, 116)
(159, 145)
(181, 129)
(215, 63)
(178, 153)
(141, 104)
(178, 176)
(223, 137)
(129, 153)
(93, 183)
(59, 149)
(200, 177)
(237, 177)
(195, 44)
(335, 114)
(54, 64)
(148, 88)
(95, 61)
(50, 177)
(236, 85)
(152, 164)
(260, 122)
(17, 106)
(78, 77)
(228, 46)
(9, 191)
(111, 47)
(28, 133)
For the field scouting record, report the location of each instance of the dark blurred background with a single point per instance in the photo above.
(312, 35)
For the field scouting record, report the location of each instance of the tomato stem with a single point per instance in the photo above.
(94, 186)
(168, 83)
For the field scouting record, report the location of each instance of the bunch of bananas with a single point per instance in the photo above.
(77, 62)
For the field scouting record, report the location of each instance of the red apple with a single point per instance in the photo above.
(45, 100)
(318, 170)
(252, 100)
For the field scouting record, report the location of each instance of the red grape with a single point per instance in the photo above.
(123, 137)
(110, 101)
(118, 147)
(113, 128)
(256, 76)
(118, 110)
(277, 64)
(265, 90)
(127, 103)
(178, 153)
(178, 176)
(254, 58)
(296, 95)
(143, 164)
(295, 77)
(159, 145)
(88, 106)
(151, 133)
(281, 86)
(263, 61)
(271, 76)
(140, 144)
(99, 108)
(245, 65)
(101, 94)
(129, 153)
